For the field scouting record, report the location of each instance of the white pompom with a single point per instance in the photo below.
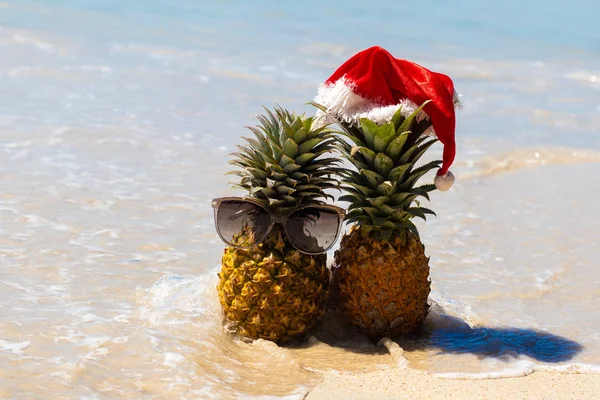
(444, 182)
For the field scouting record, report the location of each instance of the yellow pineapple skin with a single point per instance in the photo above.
(384, 285)
(272, 291)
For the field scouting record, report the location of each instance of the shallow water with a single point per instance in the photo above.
(115, 124)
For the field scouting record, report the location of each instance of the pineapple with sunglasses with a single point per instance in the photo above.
(274, 281)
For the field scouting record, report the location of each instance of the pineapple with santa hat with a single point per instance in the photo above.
(391, 111)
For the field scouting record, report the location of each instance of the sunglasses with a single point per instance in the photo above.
(244, 223)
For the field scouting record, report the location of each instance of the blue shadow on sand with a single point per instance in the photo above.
(456, 336)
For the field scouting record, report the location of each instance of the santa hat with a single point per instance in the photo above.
(373, 84)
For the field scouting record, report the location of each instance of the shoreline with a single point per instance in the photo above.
(405, 383)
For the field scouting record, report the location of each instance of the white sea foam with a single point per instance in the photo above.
(187, 293)
(442, 307)
(574, 368)
(173, 359)
(14, 347)
(523, 368)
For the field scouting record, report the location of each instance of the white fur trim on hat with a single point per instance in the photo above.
(341, 101)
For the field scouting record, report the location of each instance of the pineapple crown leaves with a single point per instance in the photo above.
(285, 164)
(381, 188)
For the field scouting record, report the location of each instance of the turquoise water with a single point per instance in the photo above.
(519, 52)
(116, 121)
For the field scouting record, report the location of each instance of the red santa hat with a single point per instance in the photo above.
(373, 84)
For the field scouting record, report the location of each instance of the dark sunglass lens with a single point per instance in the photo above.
(241, 223)
(313, 229)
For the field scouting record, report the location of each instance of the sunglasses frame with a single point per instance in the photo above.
(278, 219)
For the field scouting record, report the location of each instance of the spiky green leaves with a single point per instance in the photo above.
(285, 163)
(381, 188)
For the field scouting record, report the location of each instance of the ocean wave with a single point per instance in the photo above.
(185, 316)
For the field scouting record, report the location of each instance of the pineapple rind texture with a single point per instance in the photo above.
(384, 285)
(272, 291)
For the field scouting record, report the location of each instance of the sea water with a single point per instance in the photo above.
(116, 121)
